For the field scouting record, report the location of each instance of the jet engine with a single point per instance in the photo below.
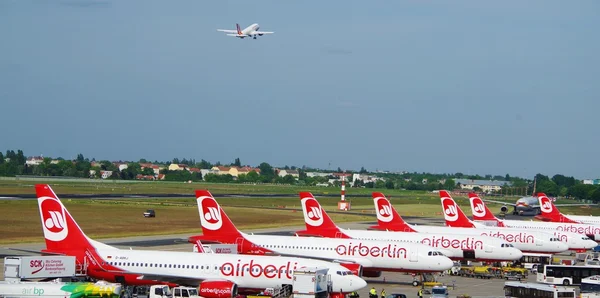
(218, 289)
(355, 268)
(260, 35)
(504, 209)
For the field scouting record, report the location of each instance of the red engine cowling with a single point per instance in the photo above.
(355, 268)
(368, 273)
(218, 289)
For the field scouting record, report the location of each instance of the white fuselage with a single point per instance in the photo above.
(526, 241)
(246, 271)
(590, 230)
(249, 31)
(380, 255)
(453, 245)
(585, 219)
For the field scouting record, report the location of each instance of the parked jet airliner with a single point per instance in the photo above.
(526, 241)
(455, 217)
(250, 31)
(372, 256)
(458, 247)
(549, 212)
(217, 275)
(584, 230)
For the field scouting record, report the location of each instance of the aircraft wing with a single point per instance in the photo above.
(580, 204)
(227, 31)
(236, 35)
(262, 32)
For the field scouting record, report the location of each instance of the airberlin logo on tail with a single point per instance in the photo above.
(210, 213)
(478, 207)
(450, 210)
(545, 205)
(384, 210)
(313, 215)
(53, 219)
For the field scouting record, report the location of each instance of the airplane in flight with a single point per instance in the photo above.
(454, 246)
(372, 257)
(455, 217)
(549, 212)
(216, 275)
(250, 31)
(526, 241)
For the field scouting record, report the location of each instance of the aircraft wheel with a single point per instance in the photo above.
(415, 283)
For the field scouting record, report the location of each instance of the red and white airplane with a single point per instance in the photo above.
(217, 275)
(526, 241)
(454, 246)
(585, 231)
(250, 31)
(549, 212)
(370, 256)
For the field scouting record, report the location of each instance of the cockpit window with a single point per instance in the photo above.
(435, 253)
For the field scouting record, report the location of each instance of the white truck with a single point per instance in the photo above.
(163, 291)
(311, 282)
(34, 267)
(59, 289)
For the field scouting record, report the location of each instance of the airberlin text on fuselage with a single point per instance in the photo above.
(469, 243)
(512, 237)
(389, 251)
(579, 230)
(268, 271)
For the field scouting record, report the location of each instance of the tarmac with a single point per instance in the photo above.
(390, 281)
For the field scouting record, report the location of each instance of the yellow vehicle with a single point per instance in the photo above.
(521, 271)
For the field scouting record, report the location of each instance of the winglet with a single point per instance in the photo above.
(387, 217)
(454, 216)
(549, 212)
(316, 220)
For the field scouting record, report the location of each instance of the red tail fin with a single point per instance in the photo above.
(216, 225)
(454, 216)
(481, 211)
(550, 212)
(387, 217)
(239, 30)
(316, 219)
(62, 233)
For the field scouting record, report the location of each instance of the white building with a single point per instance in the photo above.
(485, 185)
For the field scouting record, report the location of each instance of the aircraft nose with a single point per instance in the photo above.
(516, 253)
(358, 283)
(445, 263)
(590, 244)
(560, 246)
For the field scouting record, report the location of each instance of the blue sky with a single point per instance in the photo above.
(477, 87)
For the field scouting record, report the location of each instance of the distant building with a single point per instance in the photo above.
(591, 181)
(317, 174)
(34, 160)
(293, 173)
(177, 167)
(485, 185)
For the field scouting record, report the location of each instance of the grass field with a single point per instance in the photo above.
(123, 217)
(162, 187)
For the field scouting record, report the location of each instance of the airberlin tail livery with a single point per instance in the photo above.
(472, 247)
(455, 217)
(531, 242)
(217, 275)
(370, 256)
(549, 212)
(560, 229)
